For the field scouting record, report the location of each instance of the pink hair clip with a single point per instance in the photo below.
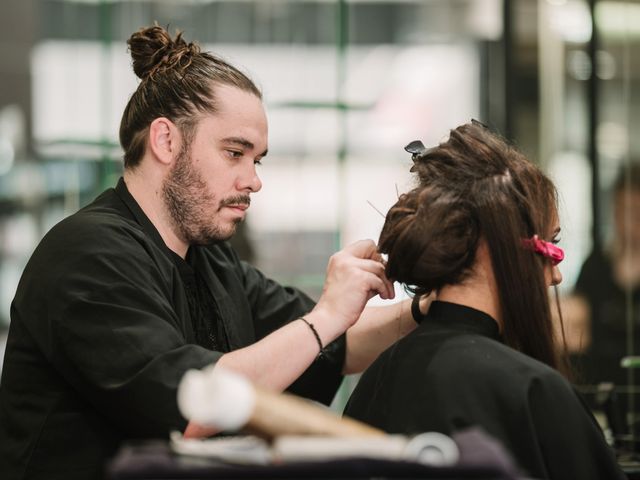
(546, 249)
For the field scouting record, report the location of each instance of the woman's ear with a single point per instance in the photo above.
(164, 140)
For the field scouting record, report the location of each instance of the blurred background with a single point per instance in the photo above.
(346, 84)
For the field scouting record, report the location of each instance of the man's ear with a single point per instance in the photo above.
(164, 140)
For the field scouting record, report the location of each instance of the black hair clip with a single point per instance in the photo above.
(416, 149)
(478, 123)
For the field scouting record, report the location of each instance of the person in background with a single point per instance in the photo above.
(601, 316)
(480, 231)
(120, 299)
(604, 307)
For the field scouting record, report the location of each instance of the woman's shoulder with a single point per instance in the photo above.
(477, 356)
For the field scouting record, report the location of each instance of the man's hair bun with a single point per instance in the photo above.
(179, 82)
(153, 51)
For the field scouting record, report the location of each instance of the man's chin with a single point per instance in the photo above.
(217, 237)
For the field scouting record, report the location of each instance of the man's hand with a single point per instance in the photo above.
(354, 275)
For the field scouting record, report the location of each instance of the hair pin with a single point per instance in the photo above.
(374, 207)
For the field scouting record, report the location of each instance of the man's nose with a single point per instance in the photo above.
(250, 180)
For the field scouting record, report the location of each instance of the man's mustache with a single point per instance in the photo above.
(236, 200)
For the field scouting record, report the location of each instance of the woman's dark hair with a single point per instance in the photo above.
(177, 82)
(476, 186)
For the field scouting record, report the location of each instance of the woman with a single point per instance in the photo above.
(480, 230)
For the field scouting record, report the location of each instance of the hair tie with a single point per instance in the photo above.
(415, 309)
(544, 248)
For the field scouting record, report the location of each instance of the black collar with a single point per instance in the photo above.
(453, 316)
(148, 227)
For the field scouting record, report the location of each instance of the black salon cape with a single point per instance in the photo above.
(100, 337)
(452, 372)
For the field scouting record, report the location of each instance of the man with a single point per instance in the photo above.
(121, 298)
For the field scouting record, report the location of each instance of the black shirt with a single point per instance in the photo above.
(202, 306)
(453, 372)
(608, 305)
(102, 332)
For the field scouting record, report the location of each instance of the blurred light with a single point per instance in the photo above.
(556, 2)
(613, 140)
(485, 18)
(580, 68)
(13, 127)
(606, 65)
(621, 19)
(20, 234)
(571, 174)
(572, 21)
(7, 155)
(29, 180)
(579, 65)
(427, 102)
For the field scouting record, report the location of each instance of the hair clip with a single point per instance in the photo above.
(478, 123)
(547, 249)
(416, 149)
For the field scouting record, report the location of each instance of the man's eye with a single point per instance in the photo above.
(555, 241)
(257, 162)
(234, 153)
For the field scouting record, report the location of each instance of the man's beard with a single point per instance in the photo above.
(192, 209)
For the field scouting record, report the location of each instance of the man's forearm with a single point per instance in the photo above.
(281, 357)
(276, 361)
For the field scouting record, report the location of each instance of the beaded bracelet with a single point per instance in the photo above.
(315, 334)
